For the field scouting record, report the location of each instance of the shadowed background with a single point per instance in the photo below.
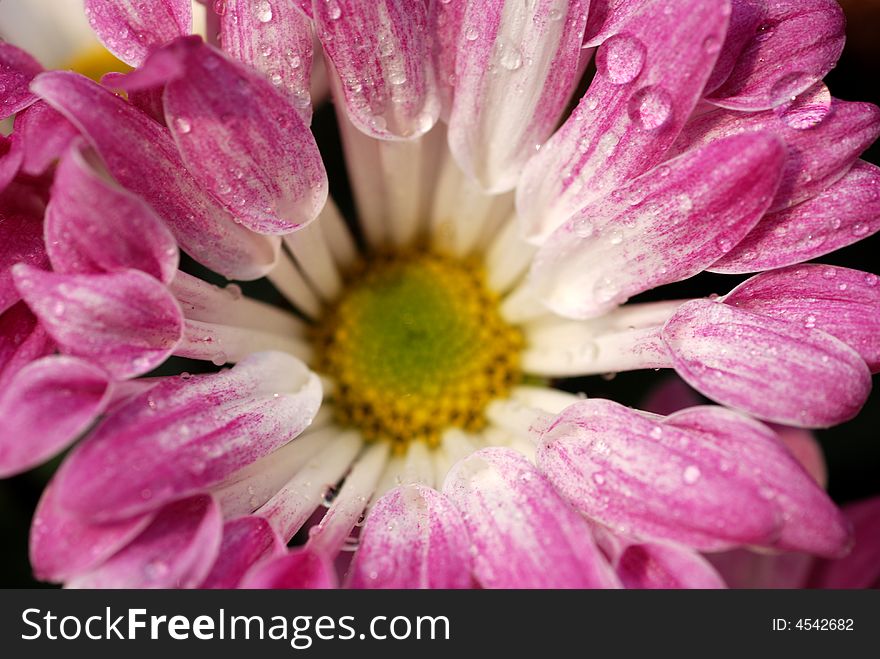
(852, 450)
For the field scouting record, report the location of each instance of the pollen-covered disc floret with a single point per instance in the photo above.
(414, 345)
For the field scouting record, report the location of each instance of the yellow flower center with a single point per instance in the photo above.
(416, 345)
(96, 61)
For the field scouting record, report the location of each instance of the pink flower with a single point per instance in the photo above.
(498, 240)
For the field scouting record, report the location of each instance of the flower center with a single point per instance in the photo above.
(96, 61)
(415, 345)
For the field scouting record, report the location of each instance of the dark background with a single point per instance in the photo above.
(852, 450)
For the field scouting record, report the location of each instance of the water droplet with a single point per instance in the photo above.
(397, 77)
(608, 142)
(685, 203)
(810, 322)
(621, 58)
(712, 44)
(156, 570)
(724, 244)
(599, 478)
(616, 238)
(829, 273)
(334, 11)
(650, 108)
(656, 432)
(263, 11)
(691, 474)
(787, 88)
(860, 229)
(265, 49)
(606, 289)
(808, 109)
(511, 59)
(328, 495)
(583, 228)
(871, 279)
(183, 125)
(220, 358)
(220, 7)
(471, 33)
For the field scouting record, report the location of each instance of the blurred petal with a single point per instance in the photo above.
(176, 550)
(22, 243)
(743, 568)
(301, 568)
(94, 226)
(648, 480)
(141, 155)
(841, 302)
(649, 78)
(381, 51)
(667, 225)
(44, 134)
(127, 322)
(515, 70)
(770, 368)
(132, 30)
(246, 541)
(188, 433)
(45, 407)
(413, 538)
(796, 44)
(17, 69)
(844, 213)
(665, 566)
(861, 568)
(22, 340)
(523, 534)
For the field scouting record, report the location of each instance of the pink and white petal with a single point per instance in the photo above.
(607, 18)
(842, 302)
(661, 566)
(812, 522)
(22, 340)
(176, 550)
(649, 78)
(300, 569)
(45, 134)
(45, 406)
(743, 568)
(413, 538)
(140, 154)
(445, 18)
(522, 534)
(22, 243)
(648, 480)
(92, 225)
(264, 162)
(126, 321)
(820, 151)
(664, 226)
(745, 17)
(246, 541)
(806, 449)
(513, 81)
(772, 369)
(17, 69)
(132, 30)
(796, 44)
(63, 545)
(861, 568)
(844, 213)
(188, 433)
(381, 52)
(280, 48)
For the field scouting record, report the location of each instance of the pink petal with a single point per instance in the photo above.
(93, 225)
(772, 369)
(22, 243)
(844, 213)
(667, 225)
(671, 395)
(819, 153)
(649, 78)
(806, 449)
(523, 535)
(861, 568)
(45, 406)
(280, 48)
(515, 71)
(132, 30)
(445, 18)
(841, 302)
(22, 340)
(243, 140)
(300, 569)
(141, 155)
(186, 434)
(665, 566)
(413, 538)
(127, 322)
(17, 69)
(812, 523)
(63, 545)
(648, 480)
(381, 52)
(11, 158)
(745, 17)
(796, 44)
(176, 550)
(246, 541)
(45, 135)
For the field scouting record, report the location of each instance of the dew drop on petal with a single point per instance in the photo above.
(691, 474)
(787, 88)
(808, 109)
(511, 59)
(471, 33)
(650, 108)
(263, 11)
(621, 58)
(183, 125)
(860, 229)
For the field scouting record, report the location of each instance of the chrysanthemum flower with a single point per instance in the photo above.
(402, 408)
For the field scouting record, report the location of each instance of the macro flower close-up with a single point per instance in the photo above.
(334, 293)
